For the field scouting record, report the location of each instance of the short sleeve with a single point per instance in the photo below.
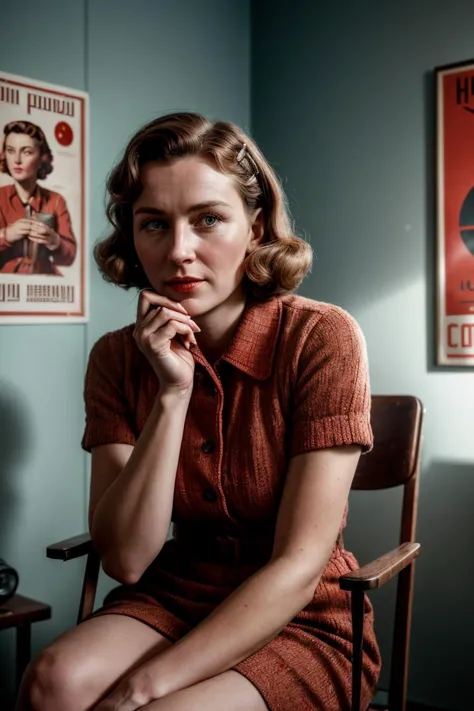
(332, 390)
(108, 415)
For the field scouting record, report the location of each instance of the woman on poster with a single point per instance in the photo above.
(35, 227)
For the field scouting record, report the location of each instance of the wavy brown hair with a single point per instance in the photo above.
(35, 132)
(278, 265)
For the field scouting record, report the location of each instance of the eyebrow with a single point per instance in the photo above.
(193, 208)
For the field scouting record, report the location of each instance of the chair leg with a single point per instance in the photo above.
(357, 605)
(401, 643)
(89, 586)
(23, 651)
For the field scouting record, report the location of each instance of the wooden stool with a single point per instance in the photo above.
(21, 612)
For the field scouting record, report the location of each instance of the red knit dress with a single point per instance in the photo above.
(294, 379)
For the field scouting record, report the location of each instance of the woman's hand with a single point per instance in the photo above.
(34, 230)
(133, 692)
(159, 322)
(18, 230)
(43, 234)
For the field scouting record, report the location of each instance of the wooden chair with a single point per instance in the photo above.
(394, 461)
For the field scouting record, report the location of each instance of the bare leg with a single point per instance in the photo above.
(230, 691)
(84, 664)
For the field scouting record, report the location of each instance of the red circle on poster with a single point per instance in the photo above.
(63, 133)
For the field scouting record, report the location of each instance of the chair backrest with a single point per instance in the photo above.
(395, 460)
(396, 424)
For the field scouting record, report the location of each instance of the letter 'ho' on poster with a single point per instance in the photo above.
(43, 210)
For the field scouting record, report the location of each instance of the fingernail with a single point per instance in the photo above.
(195, 327)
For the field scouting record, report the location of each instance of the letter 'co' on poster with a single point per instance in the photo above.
(43, 202)
(455, 214)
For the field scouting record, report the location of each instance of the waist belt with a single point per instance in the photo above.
(212, 546)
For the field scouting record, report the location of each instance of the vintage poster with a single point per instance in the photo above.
(43, 211)
(455, 218)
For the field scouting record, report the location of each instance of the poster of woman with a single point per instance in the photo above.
(43, 215)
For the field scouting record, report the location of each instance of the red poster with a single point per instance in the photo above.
(455, 219)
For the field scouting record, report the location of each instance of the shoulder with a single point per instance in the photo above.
(318, 321)
(6, 191)
(52, 197)
(114, 346)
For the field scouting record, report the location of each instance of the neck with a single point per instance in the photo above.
(26, 189)
(219, 325)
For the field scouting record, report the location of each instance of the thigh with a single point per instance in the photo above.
(85, 663)
(230, 691)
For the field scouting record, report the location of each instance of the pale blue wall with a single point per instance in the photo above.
(137, 60)
(342, 104)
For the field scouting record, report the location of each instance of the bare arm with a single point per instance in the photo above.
(310, 515)
(132, 488)
(129, 521)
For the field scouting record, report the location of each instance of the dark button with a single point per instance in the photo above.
(208, 446)
(209, 495)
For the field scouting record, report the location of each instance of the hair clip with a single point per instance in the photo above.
(243, 153)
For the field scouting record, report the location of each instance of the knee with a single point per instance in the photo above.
(51, 683)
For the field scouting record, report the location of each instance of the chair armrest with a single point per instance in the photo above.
(70, 548)
(378, 572)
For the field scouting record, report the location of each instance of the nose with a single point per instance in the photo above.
(182, 244)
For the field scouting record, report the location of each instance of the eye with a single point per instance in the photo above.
(210, 220)
(152, 224)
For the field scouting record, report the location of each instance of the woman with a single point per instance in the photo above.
(238, 411)
(35, 228)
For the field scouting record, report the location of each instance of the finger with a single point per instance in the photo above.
(38, 240)
(169, 332)
(149, 298)
(38, 228)
(23, 225)
(158, 317)
(161, 337)
(152, 313)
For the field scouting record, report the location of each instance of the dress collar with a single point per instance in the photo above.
(253, 346)
(35, 201)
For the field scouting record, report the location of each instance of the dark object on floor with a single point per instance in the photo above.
(8, 581)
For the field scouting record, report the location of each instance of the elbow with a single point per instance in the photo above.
(300, 575)
(121, 573)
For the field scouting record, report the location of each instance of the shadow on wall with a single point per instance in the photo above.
(443, 618)
(444, 579)
(16, 445)
(374, 529)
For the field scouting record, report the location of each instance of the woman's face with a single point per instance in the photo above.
(23, 156)
(190, 221)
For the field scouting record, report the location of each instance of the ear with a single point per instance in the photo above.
(257, 230)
